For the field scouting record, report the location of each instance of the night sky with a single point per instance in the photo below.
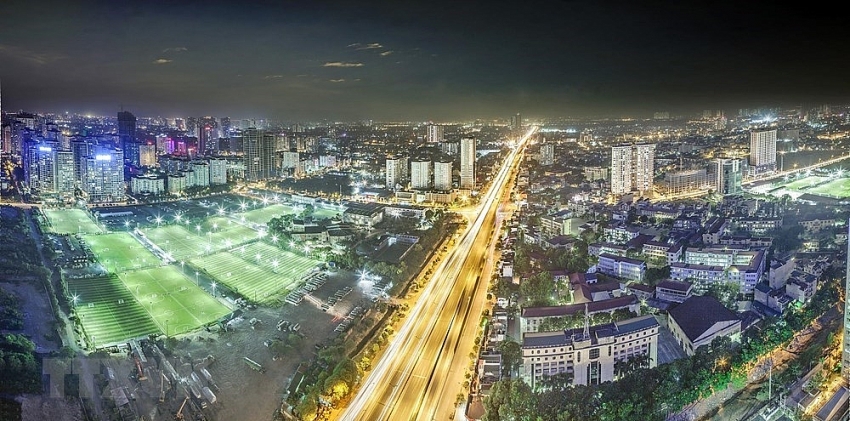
(439, 60)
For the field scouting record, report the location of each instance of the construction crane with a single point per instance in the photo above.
(179, 414)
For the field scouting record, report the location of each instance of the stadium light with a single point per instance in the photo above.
(198, 228)
(178, 217)
(274, 239)
(292, 244)
(75, 298)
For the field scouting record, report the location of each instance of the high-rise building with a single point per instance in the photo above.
(80, 151)
(207, 136)
(65, 181)
(763, 150)
(259, 158)
(632, 168)
(127, 137)
(39, 162)
(420, 174)
(516, 122)
(147, 155)
(729, 173)
(443, 175)
(434, 133)
(547, 154)
(105, 175)
(395, 171)
(218, 171)
(225, 126)
(467, 163)
(289, 159)
(201, 172)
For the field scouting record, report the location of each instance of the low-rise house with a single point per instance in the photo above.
(622, 267)
(699, 320)
(673, 291)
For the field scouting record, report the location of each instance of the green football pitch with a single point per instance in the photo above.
(839, 188)
(212, 235)
(796, 185)
(258, 271)
(140, 303)
(70, 221)
(174, 302)
(108, 311)
(119, 251)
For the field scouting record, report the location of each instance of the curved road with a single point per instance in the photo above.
(421, 372)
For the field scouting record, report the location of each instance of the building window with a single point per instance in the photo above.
(594, 353)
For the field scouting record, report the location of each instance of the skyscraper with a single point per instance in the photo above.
(443, 175)
(394, 171)
(39, 162)
(65, 181)
(516, 122)
(467, 163)
(218, 171)
(632, 168)
(547, 154)
(80, 151)
(147, 155)
(763, 150)
(207, 136)
(729, 175)
(434, 133)
(127, 136)
(420, 174)
(258, 146)
(105, 175)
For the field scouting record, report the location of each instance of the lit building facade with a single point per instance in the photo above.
(105, 175)
(588, 354)
(420, 174)
(632, 168)
(763, 150)
(443, 175)
(467, 163)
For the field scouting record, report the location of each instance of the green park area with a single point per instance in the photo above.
(70, 221)
(257, 271)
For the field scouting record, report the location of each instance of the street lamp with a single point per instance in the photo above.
(182, 264)
(197, 280)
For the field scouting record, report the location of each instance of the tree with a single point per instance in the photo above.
(511, 356)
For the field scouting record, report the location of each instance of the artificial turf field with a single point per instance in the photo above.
(796, 185)
(119, 251)
(256, 278)
(184, 243)
(70, 221)
(839, 188)
(173, 300)
(109, 312)
(140, 303)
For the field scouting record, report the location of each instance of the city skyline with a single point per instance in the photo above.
(424, 60)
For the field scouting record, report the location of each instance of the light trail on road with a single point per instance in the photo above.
(415, 379)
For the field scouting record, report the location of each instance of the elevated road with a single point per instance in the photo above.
(421, 372)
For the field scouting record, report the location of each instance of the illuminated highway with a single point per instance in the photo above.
(421, 372)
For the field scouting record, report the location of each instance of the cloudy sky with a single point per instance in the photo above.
(402, 59)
